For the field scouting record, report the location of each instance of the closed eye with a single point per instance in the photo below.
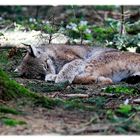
(45, 66)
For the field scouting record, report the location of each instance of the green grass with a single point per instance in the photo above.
(6, 109)
(120, 90)
(12, 122)
(124, 109)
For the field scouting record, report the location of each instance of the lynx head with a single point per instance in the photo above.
(32, 64)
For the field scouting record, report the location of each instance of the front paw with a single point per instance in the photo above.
(62, 78)
(50, 77)
(104, 80)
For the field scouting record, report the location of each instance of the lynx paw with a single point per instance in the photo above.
(70, 70)
(50, 77)
(104, 81)
(62, 78)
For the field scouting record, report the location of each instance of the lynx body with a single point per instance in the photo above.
(82, 65)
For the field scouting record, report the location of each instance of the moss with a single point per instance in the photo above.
(47, 87)
(70, 105)
(120, 90)
(11, 90)
(6, 109)
(65, 104)
(12, 122)
(47, 102)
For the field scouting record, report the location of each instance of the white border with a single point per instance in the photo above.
(69, 137)
(70, 2)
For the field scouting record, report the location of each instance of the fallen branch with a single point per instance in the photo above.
(76, 95)
(91, 129)
(3, 102)
(94, 128)
(106, 94)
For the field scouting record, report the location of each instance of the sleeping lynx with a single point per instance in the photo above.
(76, 64)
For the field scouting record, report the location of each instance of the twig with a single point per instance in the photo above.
(2, 102)
(106, 94)
(94, 129)
(55, 94)
(93, 119)
(76, 95)
(8, 27)
(100, 127)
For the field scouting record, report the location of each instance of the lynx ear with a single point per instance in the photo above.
(32, 50)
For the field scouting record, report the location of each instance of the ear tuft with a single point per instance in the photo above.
(30, 49)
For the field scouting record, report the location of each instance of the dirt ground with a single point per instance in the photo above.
(69, 121)
(92, 111)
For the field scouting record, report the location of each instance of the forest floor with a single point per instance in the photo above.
(88, 109)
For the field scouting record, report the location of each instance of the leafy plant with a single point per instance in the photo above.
(124, 109)
(120, 90)
(103, 33)
(80, 30)
(113, 23)
(133, 28)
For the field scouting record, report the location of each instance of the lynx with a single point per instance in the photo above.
(49, 60)
(79, 64)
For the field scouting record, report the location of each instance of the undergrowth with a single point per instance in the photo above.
(11, 90)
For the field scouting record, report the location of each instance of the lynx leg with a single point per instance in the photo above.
(50, 77)
(51, 66)
(104, 80)
(70, 70)
(137, 73)
(84, 79)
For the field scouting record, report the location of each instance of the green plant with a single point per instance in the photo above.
(113, 23)
(11, 122)
(105, 7)
(6, 109)
(79, 30)
(120, 90)
(102, 34)
(124, 109)
(124, 42)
